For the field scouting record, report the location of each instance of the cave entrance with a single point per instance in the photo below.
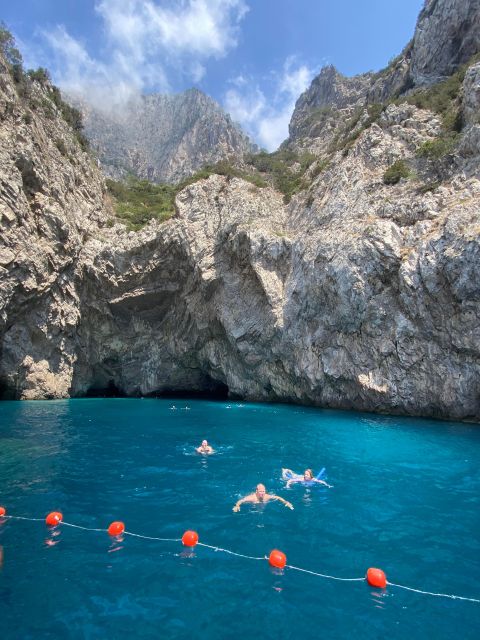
(110, 390)
(212, 390)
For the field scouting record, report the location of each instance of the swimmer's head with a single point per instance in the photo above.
(308, 474)
(204, 443)
(260, 491)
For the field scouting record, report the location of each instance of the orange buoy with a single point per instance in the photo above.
(3, 511)
(116, 528)
(376, 578)
(277, 559)
(54, 518)
(190, 538)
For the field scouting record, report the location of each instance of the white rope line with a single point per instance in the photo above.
(77, 526)
(241, 555)
(323, 575)
(429, 593)
(22, 518)
(138, 535)
(232, 553)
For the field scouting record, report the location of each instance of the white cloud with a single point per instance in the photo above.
(107, 85)
(197, 71)
(144, 43)
(247, 108)
(267, 121)
(295, 81)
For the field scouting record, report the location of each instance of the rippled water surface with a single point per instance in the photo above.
(405, 499)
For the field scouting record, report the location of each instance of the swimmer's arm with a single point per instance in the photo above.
(330, 486)
(285, 502)
(240, 502)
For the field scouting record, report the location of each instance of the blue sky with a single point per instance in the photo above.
(254, 57)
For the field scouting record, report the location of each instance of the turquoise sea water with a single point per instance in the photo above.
(406, 499)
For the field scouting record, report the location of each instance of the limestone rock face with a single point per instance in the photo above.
(358, 300)
(163, 138)
(321, 111)
(471, 95)
(446, 36)
(358, 294)
(330, 90)
(51, 203)
(182, 305)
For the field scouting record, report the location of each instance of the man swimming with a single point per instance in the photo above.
(259, 497)
(205, 448)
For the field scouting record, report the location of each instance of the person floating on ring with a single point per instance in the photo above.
(205, 448)
(260, 497)
(307, 478)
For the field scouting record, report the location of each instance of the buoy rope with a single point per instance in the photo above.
(77, 526)
(429, 593)
(138, 535)
(241, 555)
(22, 518)
(232, 553)
(323, 575)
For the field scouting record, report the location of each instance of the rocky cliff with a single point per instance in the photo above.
(360, 293)
(162, 138)
(446, 36)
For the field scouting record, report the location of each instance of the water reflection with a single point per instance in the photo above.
(53, 537)
(116, 544)
(307, 498)
(379, 598)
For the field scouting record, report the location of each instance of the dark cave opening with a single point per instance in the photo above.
(7, 391)
(110, 391)
(212, 391)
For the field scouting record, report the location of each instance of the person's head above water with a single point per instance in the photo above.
(260, 491)
(204, 448)
(262, 496)
(308, 474)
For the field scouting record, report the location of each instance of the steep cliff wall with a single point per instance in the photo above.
(163, 138)
(358, 294)
(446, 36)
(51, 203)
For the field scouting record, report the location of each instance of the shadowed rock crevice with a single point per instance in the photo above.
(7, 390)
(109, 391)
(212, 389)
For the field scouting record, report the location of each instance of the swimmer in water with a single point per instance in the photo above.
(205, 448)
(259, 497)
(307, 477)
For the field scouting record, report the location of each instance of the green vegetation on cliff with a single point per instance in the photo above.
(445, 99)
(396, 172)
(223, 168)
(138, 201)
(286, 170)
(24, 81)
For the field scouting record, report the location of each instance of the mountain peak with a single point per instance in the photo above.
(164, 137)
